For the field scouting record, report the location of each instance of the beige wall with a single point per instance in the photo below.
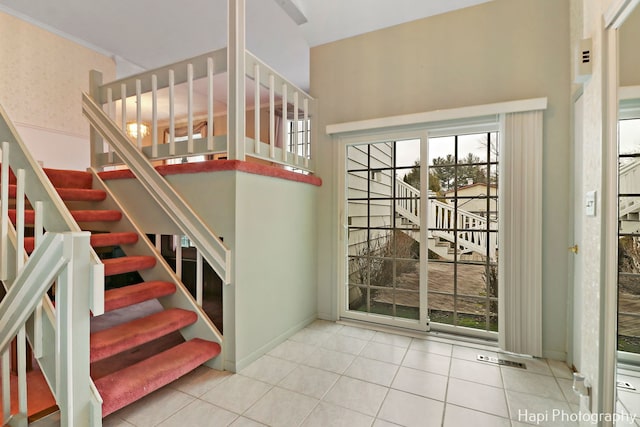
(629, 51)
(499, 51)
(43, 76)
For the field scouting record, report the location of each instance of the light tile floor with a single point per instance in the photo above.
(330, 374)
(628, 400)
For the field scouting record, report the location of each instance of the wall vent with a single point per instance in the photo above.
(584, 61)
(502, 362)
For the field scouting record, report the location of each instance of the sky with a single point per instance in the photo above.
(408, 151)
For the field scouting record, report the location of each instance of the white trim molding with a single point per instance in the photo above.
(439, 116)
(618, 11)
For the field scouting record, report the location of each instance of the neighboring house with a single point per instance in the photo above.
(473, 198)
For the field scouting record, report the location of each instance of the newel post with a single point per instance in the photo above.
(72, 337)
(236, 72)
(95, 140)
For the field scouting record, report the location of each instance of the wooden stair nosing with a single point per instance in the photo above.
(128, 264)
(71, 194)
(124, 387)
(125, 336)
(97, 240)
(135, 294)
(84, 215)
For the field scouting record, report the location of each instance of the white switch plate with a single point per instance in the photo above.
(590, 203)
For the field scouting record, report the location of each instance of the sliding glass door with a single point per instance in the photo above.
(421, 224)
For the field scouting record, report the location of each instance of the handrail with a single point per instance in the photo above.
(59, 258)
(212, 248)
(55, 216)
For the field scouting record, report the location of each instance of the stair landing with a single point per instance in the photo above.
(40, 401)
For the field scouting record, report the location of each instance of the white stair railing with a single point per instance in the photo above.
(175, 207)
(46, 327)
(63, 259)
(470, 234)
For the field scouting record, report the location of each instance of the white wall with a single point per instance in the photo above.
(54, 149)
(498, 51)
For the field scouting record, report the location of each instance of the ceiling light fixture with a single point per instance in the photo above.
(133, 128)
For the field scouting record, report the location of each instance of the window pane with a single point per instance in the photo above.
(357, 298)
(629, 136)
(407, 153)
(472, 148)
(442, 151)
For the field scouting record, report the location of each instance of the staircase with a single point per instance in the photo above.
(468, 239)
(96, 211)
(629, 207)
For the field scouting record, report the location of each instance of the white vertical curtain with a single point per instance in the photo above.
(520, 258)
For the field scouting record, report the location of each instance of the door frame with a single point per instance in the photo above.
(363, 138)
(613, 19)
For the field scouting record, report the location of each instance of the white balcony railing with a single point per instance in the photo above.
(183, 104)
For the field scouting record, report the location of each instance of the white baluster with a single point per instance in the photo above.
(178, 240)
(112, 114)
(199, 284)
(22, 371)
(272, 116)
(210, 104)
(20, 221)
(295, 141)
(138, 113)
(256, 107)
(284, 122)
(154, 116)
(189, 108)
(306, 136)
(4, 208)
(123, 103)
(172, 118)
(38, 230)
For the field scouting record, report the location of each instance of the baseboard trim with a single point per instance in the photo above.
(239, 365)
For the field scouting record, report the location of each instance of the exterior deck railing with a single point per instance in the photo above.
(465, 229)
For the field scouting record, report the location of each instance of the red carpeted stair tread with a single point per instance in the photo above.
(134, 382)
(98, 240)
(101, 240)
(63, 178)
(125, 336)
(96, 215)
(72, 194)
(127, 264)
(78, 215)
(134, 294)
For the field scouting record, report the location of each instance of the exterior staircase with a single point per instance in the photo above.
(629, 207)
(96, 211)
(467, 241)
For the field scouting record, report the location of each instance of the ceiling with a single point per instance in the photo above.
(144, 34)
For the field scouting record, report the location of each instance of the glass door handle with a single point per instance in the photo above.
(574, 249)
